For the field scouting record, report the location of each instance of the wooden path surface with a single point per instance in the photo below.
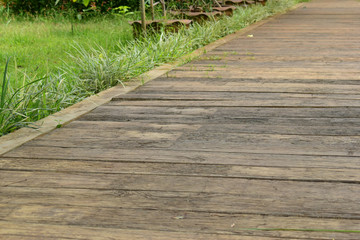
(257, 139)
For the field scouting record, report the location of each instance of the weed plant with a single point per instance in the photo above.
(91, 67)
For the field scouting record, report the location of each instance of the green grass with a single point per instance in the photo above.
(39, 47)
(54, 65)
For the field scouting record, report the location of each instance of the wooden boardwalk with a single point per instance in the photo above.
(257, 139)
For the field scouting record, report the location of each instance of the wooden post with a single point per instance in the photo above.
(152, 9)
(163, 8)
(143, 17)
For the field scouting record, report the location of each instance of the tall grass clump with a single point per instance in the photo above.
(32, 100)
(17, 105)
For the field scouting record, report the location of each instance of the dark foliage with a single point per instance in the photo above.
(39, 6)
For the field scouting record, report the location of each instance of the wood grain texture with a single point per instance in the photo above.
(35, 230)
(257, 139)
(237, 170)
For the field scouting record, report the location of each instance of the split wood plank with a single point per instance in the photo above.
(245, 114)
(300, 103)
(239, 79)
(269, 75)
(289, 126)
(272, 197)
(245, 203)
(14, 229)
(186, 157)
(279, 144)
(267, 68)
(235, 96)
(233, 86)
(177, 221)
(309, 173)
(249, 58)
(27, 237)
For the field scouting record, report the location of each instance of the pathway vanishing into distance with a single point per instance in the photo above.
(257, 139)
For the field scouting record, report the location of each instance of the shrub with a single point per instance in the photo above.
(39, 6)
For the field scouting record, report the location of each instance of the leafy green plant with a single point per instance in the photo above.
(85, 2)
(122, 11)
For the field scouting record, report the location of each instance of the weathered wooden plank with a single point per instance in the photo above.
(323, 199)
(249, 203)
(177, 220)
(235, 142)
(183, 85)
(246, 114)
(235, 96)
(340, 24)
(240, 79)
(313, 127)
(336, 53)
(110, 233)
(307, 36)
(261, 47)
(234, 56)
(254, 63)
(271, 143)
(17, 236)
(298, 51)
(180, 183)
(300, 102)
(335, 126)
(266, 68)
(339, 145)
(189, 156)
(289, 126)
(265, 75)
(180, 169)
